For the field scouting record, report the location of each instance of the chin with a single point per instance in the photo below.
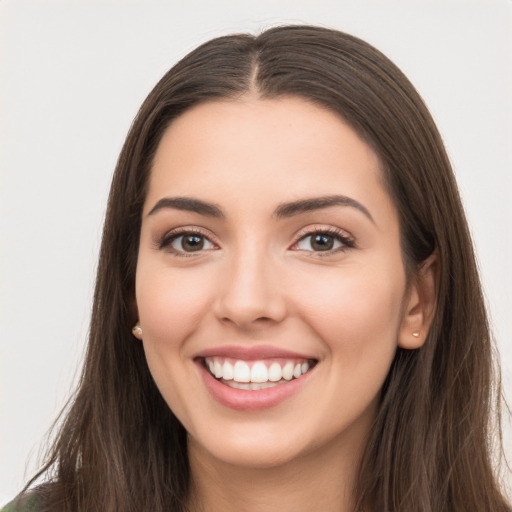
(250, 451)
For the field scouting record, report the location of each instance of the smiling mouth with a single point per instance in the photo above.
(256, 375)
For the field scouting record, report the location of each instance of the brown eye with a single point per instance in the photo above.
(191, 242)
(323, 242)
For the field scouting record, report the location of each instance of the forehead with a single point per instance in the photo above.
(264, 151)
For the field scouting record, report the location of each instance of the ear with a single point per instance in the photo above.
(132, 305)
(137, 329)
(420, 305)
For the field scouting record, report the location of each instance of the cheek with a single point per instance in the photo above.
(170, 307)
(171, 303)
(356, 311)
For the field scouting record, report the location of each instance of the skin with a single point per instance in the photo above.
(258, 281)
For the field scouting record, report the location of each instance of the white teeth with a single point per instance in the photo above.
(288, 371)
(241, 372)
(227, 371)
(275, 373)
(259, 372)
(217, 369)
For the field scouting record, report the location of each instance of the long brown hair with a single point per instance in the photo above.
(121, 448)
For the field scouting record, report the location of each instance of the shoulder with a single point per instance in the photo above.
(22, 504)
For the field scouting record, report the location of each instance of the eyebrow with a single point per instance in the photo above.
(284, 210)
(317, 203)
(188, 204)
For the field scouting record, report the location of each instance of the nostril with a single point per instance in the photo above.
(248, 322)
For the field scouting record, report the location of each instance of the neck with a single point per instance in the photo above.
(321, 480)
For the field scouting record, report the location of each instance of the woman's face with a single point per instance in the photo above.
(270, 256)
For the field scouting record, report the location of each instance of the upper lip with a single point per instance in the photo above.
(251, 353)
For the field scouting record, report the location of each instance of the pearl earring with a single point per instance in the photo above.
(137, 331)
(416, 334)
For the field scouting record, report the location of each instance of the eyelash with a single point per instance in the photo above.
(347, 242)
(167, 240)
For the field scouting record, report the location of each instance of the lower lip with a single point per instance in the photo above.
(251, 400)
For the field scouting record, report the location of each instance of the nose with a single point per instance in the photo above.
(250, 292)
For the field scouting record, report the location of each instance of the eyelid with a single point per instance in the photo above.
(345, 237)
(164, 241)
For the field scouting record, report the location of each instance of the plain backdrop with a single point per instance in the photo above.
(72, 76)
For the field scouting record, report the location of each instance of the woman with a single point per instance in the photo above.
(287, 313)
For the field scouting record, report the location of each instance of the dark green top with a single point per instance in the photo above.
(26, 504)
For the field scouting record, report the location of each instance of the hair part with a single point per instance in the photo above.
(122, 448)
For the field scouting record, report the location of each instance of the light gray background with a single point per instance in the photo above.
(72, 76)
